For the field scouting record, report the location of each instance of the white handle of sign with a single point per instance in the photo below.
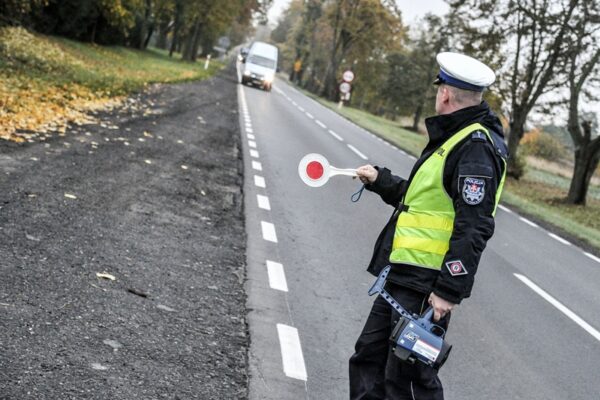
(342, 171)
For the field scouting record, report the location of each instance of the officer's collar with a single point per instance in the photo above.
(441, 127)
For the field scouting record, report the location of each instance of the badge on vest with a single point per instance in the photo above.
(456, 268)
(473, 191)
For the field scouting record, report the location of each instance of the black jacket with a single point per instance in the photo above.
(476, 160)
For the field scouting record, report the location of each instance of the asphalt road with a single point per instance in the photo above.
(150, 195)
(527, 332)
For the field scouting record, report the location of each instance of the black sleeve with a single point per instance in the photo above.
(473, 187)
(390, 187)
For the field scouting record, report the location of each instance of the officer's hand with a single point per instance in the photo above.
(367, 174)
(440, 306)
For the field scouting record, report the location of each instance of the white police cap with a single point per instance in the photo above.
(463, 72)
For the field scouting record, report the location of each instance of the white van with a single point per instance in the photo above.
(260, 65)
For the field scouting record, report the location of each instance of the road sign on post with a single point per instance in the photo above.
(345, 87)
(348, 76)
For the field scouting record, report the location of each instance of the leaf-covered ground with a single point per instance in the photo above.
(47, 82)
(122, 253)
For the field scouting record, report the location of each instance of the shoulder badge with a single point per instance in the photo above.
(478, 136)
(473, 191)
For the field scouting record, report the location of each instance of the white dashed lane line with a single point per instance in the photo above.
(249, 130)
(309, 115)
(254, 153)
(291, 352)
(335, 135)
(322, 125)
(256, 165)
(252, 143)
(268, 231)
(528, 222)
(300, 108)
(556, 237)
(276, 276)
(250, 136)
(354, 149)
(508, 210)
(259, 181)
(263, 202)
(593, 257)
(574, 317)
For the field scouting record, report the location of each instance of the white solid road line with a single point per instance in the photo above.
(576, 318)
(252, 143)
(322, 125)
(528, 222)
(556, 237)
(291, 352)
(254, 153)
(268, 231)
(354, 149)
(263, 202)
(276, 276)
(259, 181)
(593, 257)
(256, 165)
(335, 135)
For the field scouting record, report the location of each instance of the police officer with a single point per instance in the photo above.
(443, 217)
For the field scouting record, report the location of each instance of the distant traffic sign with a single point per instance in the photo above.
(348, 76)
(345, 87)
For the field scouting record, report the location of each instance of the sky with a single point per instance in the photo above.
(411, 9)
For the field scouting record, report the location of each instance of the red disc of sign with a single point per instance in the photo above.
(348, 76)
(314, 170)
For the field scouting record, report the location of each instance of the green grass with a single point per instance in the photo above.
(48, 82)
(121, 70)
(391, 131)
(539, 194)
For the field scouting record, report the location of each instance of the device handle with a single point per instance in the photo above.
(427, 323)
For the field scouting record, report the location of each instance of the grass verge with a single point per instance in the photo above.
(48, 82)
(539, 194)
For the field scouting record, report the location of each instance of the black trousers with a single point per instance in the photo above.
(375, 372)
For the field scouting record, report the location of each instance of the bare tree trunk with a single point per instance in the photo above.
(163, 31)
(516, 132)
(417, 117)
(586, 162)
(144, 28)
(176, 26)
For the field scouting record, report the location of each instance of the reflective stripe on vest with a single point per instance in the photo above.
(423, 232)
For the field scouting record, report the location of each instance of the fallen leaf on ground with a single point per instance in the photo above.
(70, 196)
(105, 275)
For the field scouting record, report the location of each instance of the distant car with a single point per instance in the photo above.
(260, 65)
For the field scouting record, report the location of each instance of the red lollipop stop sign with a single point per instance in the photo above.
(315, 171)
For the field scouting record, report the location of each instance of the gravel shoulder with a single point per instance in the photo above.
(152, 196)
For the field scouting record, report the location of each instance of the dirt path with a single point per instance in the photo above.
(157, 204)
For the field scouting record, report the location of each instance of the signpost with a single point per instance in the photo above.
(345, 87)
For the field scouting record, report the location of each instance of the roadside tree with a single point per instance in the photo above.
(527, 39)
(583, 68)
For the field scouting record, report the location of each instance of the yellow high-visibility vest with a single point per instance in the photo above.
(423, 232)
